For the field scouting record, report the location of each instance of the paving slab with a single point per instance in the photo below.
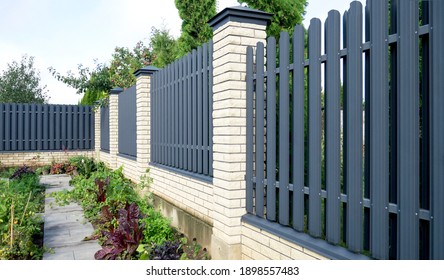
(65, 226)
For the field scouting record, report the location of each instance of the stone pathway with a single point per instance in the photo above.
(65, 227)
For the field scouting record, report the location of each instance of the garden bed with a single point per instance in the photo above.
(21, 224)
(126, 223)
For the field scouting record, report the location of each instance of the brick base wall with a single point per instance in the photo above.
(130, 168)
(192, 196)
(258, 244)
(40, 158)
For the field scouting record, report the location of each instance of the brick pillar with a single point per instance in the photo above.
(234, 29)
(143, 101)
(114, 126)
(97, 132)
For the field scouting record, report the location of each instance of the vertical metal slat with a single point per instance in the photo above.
(332, 127)
(271, 129)
(298, 128)
(437, 129)
(260, 131)
(249, 132)
(379, 129)
(314, 127)
(408, 130)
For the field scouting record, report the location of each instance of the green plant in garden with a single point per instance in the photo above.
(124, 220)
(21, 199)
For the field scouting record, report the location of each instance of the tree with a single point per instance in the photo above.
(94, 83)
(125, 62)
(97, 82)
(195, 15)
(163, 47)
(20, 83)
(286, 13)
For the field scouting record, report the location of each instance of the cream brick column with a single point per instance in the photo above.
(97, 132)
(143, 117)
(234, 29)
(114, 126)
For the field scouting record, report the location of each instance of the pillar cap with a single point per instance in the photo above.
(240, 14)
(116, 90)
(146, 71)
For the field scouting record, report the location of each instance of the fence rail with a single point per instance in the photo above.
(375, 195)
(127, 122)
(36, 127)
(182, 113)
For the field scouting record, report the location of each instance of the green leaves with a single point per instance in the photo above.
(286, 13)
(195, 15)
(20, 83)
(20, 200)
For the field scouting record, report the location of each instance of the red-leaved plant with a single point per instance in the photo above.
(121, 243)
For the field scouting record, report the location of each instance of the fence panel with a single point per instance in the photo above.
(385, 195)
(104, 129)
(37, 127)
(127, 122)
(184, 124)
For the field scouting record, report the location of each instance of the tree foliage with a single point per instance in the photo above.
(20, 83)
(195, 15)
(125, 62)
(163, 46)
(286, 13)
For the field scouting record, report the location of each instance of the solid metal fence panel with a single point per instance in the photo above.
(408, 130)
(104, 128)
(127, 122)
(332, 127)
(314, 127)
(260, 130)
(249, 132)
(437, 128)
(190, 111)
(353, 133)
(378, 118)
(284, 129)
(271, 129)
(298, 128)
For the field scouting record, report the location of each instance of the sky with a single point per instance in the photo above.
(63, 34)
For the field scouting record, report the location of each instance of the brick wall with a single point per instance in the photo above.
(258, 244)
(40, 158)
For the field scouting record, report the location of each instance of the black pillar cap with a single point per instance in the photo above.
(239, 14)
(146, 71)
(116, 90)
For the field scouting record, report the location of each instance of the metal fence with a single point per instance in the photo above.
(104, 129)
(127, 123)
(381, 196)
(181, 108)
(36, 127)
